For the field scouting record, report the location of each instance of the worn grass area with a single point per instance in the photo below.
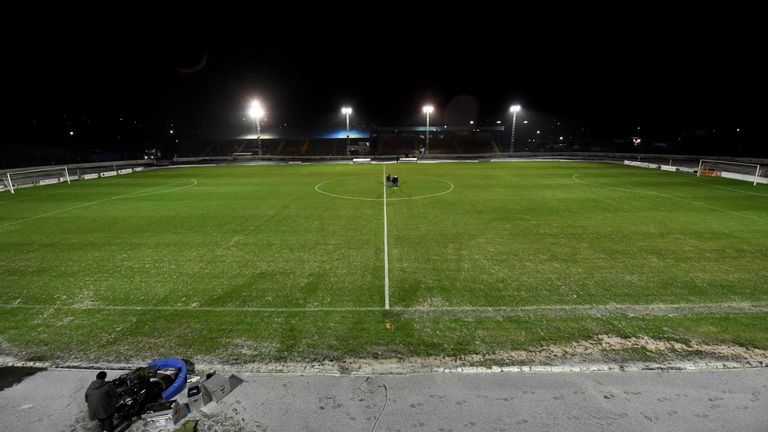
(116, 336)
(234, 257)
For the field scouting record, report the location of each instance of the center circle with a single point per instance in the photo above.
(371, 188)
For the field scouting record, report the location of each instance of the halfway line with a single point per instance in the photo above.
(386, 251)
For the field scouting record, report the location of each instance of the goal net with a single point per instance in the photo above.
(734, 170)
(42, 176)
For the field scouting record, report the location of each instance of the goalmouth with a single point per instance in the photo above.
(33, 177)
(731, 170)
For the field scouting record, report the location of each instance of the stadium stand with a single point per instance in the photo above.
(381, 141)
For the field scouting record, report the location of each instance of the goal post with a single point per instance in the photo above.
(36, 177)
(732, 170)
(8, 182)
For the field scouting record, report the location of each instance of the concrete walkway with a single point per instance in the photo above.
(708, 400)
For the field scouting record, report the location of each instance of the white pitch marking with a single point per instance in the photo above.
(191, 308)
(128, 195)
(317, 188)
(386, 251)
(723, 187)
(641, 191)
(633, 309)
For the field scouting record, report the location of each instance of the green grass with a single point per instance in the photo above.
(256, 259)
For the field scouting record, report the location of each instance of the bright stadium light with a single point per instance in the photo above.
(256, 113)
(427, 109)
(514, 109)
(347, 111)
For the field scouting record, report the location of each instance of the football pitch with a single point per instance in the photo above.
(319, 261)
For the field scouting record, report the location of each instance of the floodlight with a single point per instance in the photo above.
(515, 108)
(346, 110)
(428, 109)
(256, 111)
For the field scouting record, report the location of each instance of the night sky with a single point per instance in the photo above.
(123, 86)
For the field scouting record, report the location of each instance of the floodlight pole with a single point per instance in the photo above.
(347, 127)
(513, 109)
(347, 111)
(427, 109)
(347, 115)
(514, 123)
(426, 148)
(256, 112)
(258, 134)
